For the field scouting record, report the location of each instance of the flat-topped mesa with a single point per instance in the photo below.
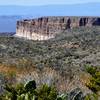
(45, 28)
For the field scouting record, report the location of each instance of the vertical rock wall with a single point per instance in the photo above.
(45, 28)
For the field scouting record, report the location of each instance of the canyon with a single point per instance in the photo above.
(45, 28)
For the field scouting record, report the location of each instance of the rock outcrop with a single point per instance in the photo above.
(45, 28)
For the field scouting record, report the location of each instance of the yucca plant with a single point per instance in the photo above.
(20, 91)
(62, 97)
(75, 94)
(46, 92)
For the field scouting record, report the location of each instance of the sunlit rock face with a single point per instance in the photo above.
(45, 28)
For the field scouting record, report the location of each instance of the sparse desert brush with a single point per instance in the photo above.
(9, 73)
(45, 75)
(24, 63)
(58, 61)
(85, 77)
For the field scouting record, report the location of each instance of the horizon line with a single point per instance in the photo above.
(52, 4)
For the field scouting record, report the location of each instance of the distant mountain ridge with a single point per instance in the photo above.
(8, 22)
(87, 9)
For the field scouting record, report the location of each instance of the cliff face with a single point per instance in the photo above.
(45, 28)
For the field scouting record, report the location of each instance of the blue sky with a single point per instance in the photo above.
(43, 2)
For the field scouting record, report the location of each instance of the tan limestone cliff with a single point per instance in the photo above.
(45, 28)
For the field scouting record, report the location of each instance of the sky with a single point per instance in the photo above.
(44, 2)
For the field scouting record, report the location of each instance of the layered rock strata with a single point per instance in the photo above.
(45, 28)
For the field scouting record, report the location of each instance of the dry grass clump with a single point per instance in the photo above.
(46, 75)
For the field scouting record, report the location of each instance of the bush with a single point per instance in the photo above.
(44, 92)
(91, 70)
(91, 97)
(94, 83)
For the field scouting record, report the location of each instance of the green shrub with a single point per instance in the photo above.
(44, 92)
(91, 97)
(20, 91)
(91, 70)
(94, 83)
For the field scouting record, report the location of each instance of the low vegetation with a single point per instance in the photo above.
(94, 83)
(59, 62)
(29, 91)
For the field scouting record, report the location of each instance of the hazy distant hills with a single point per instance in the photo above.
(10, 14)
(8, 22)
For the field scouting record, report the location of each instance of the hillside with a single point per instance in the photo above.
(60, 61)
